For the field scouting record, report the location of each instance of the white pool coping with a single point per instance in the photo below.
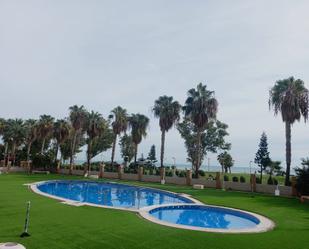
(264, 225)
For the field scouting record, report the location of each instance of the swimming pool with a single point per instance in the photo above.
(109, 194)
(158, 206)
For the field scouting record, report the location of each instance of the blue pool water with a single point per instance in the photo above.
(110, 194)
(205, 217)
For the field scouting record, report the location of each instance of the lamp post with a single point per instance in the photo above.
(250, 163)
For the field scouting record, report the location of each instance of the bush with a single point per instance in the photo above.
(201, 173)
(235, 179)
(275, 181)
(242, 179)
(182, 173)
(226, 178)
(258, 180)
(302, 183)
(270, 181)
(168, 173)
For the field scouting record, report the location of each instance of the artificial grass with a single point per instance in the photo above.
(57, 226)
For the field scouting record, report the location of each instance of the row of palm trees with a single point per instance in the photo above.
(289, 97)
(90, 128)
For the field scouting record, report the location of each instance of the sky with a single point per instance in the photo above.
(101, 54)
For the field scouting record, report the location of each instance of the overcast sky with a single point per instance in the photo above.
(100, 54)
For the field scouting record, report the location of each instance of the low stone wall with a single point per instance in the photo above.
(150, 178)
(130, 177)
(176, 180)
(13, 169)
(240, 186)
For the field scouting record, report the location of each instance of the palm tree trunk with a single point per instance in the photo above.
(113, 149)
(88, 158)
(261, 177)
(198, 153)
(72, 153)
(59, 164)
(162, 147)
(5, 154)
(135, 153)
(28, 156)
(56, 152)
(288, 152)
(43, 145)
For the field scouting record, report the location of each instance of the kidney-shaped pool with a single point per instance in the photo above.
(162, 207)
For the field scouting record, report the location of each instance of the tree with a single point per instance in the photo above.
(96, 125)
(262, 155)
(152, 155)
(126, 148)
(167, 111)
(13, 135)
(138, 123)
(45, 129)
(77, 116)
(62, 130)
(274, 168)
(290, 98)
(31, 134)
(226, 161)
(212, 140)
(119, 124)
(200, 107)
(302, 176)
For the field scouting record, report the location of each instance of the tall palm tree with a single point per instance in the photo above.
(14, 135)
(290, 98)
(200, 107)
(95, 125)
(46, 123)
(119, 124)
(78, 115)
(167, 111)
(31, 134)
(138, 123)
(2, 128)
(61, 134)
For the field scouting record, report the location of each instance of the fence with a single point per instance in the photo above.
(217, 183)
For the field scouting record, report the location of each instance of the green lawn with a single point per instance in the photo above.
(57, 226)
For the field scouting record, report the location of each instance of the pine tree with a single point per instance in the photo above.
(262, 155)
(152, 155)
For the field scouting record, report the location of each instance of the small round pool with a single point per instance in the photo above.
(108, 194)
(207, 218)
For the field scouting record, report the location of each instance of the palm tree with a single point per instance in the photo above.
(14, 134)
(46, 123)
(61, 132)
(290, 98)
(119, 125)
(138, 123)
(167, 111)
(78, 115)
(95, 125)
(200, 107)
(31, 134)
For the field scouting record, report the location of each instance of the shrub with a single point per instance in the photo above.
(270, 181)
(168, 173)
(235, 179)
(182, 173)
(275, 181)
(258, 180)
(226, 178)
(201, 173)
(302, 183)
(242, 179)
